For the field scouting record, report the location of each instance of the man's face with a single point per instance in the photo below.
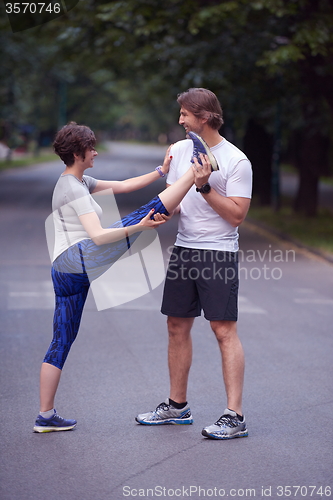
(190, 122)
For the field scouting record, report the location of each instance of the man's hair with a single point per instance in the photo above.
(73, 138)
(203, 103)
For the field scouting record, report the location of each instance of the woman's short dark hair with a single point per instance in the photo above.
(73, 138)
(203, 103)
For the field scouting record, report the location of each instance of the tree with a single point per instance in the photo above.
(303, 57)
(258, 56)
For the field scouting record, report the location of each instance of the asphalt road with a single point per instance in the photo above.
(118, 368)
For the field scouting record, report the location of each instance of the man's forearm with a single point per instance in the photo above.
(231, 209)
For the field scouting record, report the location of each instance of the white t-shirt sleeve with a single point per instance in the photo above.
(239, 182)
(172, 174)
(91, 182)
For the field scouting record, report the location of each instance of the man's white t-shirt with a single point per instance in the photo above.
(199, 225)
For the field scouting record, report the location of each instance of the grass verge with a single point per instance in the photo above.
(315, 232)
(45, 155)
(28, 159)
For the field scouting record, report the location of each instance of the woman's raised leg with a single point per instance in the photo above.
(173, 195)
(98, 258)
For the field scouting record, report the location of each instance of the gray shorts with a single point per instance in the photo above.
(201, 280)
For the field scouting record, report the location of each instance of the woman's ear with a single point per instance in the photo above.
(77, 157)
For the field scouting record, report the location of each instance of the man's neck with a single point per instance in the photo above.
(212, 137)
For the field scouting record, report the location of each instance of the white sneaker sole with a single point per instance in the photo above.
(39, 428)
(172, 421)
(224, 436)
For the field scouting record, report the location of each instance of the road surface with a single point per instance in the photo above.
(118, 368)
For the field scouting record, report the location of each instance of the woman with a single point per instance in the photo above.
(82, 245)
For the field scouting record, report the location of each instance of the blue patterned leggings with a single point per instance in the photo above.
(71, 283)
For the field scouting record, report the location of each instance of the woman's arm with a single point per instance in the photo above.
(101, 236)
(134, 183)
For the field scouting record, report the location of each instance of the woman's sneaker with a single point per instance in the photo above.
(228, 426)
(165, 413)
(55, 423)
(200, 146)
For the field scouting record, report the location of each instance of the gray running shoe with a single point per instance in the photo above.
(165, 413)
(228, 426)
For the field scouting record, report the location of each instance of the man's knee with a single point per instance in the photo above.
(179, 327)
(224, 330)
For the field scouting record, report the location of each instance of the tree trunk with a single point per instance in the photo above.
(306, 200)
(311, 147)
(258, 147)
(310, 150)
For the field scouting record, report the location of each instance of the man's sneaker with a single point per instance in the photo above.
(55, 423)
(165, 413)
(200, 146)
(227, 427)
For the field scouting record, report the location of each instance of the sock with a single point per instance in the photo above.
(47, 414)
(240, 417)
(179, 406)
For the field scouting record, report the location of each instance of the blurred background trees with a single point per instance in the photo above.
(118, 66)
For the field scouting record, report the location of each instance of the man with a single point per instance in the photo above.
(203, 267)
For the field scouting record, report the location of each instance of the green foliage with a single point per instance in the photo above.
(318, 232)
(119, 65)
(307, 31)
(125, 61)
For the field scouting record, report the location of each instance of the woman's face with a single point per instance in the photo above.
(88, 161)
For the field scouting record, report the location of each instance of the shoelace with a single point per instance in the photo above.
(58, 418)
(163, 406)
(227, 420)
(196, 153)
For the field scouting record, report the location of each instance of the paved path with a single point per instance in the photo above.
(118, 368)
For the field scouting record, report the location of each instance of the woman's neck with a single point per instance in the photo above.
(74, 170)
